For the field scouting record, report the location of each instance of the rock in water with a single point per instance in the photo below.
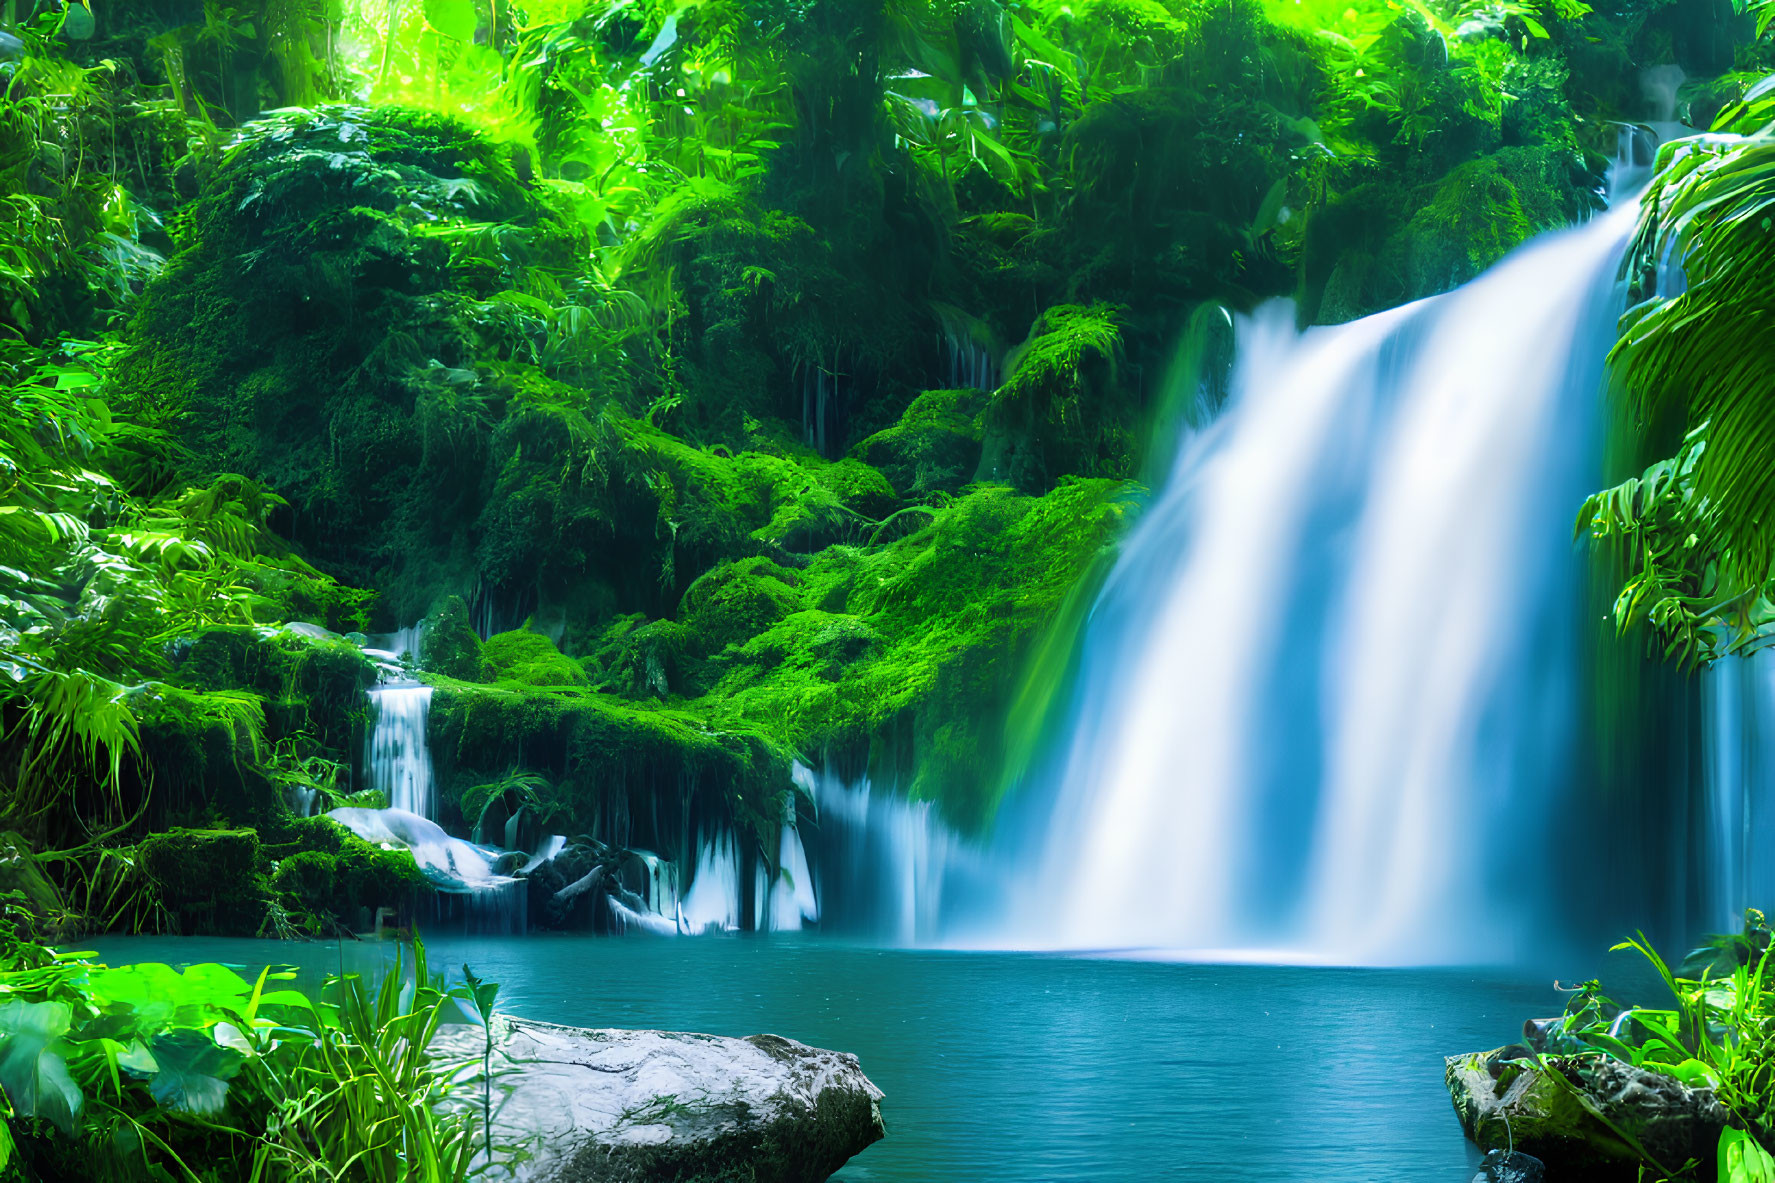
(587, 1106)
(1505, 1104)
(1503, 1166)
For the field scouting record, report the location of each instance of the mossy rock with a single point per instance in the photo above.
(1504, 1103)
(737, 600)
(641, 772)
(448, 643)
(1383, 248)
(203, 750)
(307, 683)
(934, 447)
(207, 880)
(531, 659)
(1055, 414)
(650, 659)
(330, 874)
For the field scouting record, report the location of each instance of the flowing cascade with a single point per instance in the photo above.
(1738, 774)
(398, 760)
(1326, 698)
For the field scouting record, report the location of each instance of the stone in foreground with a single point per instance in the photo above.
(1504, 1104)
(572, 1105)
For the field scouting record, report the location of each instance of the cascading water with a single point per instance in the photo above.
(398, 759)
(1326, 698)
(1738, 774)
(885, 862)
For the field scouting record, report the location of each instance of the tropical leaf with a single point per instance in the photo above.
(192, 1072)
(33, 1064)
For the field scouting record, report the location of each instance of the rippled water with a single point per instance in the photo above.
(1017, 1067)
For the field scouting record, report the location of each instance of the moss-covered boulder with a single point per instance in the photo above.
(448, 643)
(531, 659)
(1379, 246)
(208, 881)
(737, 600)
(308, 683)
(638, 774)
(330, 877)
(934, 447)
(1055, 412)
(1505, 1103)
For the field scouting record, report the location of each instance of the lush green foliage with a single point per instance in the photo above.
(1698, 348)
(1718, 1032)
(143, 1071)
(723, 383)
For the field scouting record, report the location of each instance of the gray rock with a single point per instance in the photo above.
(572, 1105)
(1575, 1124)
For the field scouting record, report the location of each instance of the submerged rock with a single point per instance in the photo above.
(1504, 1166)
(572, 1105)
(1505, 1104)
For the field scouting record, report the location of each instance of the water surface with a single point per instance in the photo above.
(1022, 1067)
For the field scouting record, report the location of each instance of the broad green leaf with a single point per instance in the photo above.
(193, 1072)
(1742, 1160)
(33, 1067)
(453, 18)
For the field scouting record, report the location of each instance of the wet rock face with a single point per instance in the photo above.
(1504, 1105)
(590, 1106)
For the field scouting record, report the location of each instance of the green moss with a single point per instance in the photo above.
(737, 600)
(1384, 247)
(448, 645)
(643, 771)
(208, 881)
(309, 684)
(1054, 412)
(529, 658)
(904, 669)
(332, 877)
(935, 445)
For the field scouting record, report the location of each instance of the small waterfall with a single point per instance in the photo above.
(1738, 777)
(483, 886)
(792, 899)
(398, 758)
(970, 365)
(397, 648)
(1327, 698)
(886, 865)
(823, 404)
(713, 902)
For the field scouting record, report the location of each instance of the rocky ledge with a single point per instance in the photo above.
(1578, 1125)
(572, 1105)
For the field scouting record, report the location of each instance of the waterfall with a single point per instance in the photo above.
(476, 880)
(398, 758)
(1738, 775)
(713, 901)
(887, 867)
(1327, 698)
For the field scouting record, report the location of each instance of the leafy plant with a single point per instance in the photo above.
(178, 1071)
(1699, 346)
